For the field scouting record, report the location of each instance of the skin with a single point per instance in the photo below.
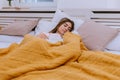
(65, 27)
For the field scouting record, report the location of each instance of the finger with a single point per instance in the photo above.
(45, 36)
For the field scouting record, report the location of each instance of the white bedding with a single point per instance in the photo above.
(6, 40)
(114, 52)
(4, 44)
(10, 39)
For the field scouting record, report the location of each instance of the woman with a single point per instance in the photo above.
(56, 34)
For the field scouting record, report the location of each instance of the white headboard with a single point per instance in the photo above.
(108, 17)
(9, 15)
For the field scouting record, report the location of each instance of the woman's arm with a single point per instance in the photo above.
(42, 36)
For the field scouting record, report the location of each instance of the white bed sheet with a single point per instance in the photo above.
(10, 39)
(6, 40)
(4, 44)
(111, 51)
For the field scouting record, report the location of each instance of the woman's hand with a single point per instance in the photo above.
(42, 36)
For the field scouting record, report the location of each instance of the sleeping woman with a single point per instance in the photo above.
(57, 33)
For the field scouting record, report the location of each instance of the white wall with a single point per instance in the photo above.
(118, 3)
(15, 3)
(113, 4)
(3, 3)
(89, 4)
(81, 3)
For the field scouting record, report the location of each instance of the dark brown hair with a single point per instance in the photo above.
(63, 20)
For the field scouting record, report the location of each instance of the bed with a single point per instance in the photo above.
(87, 53)
(78, 17)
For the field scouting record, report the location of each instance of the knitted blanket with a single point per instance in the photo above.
(37, 59)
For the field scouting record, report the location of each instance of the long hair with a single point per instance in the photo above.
(63, 20)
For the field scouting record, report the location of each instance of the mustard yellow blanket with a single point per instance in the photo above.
(37, 59)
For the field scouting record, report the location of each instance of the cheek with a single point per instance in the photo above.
(60, 28)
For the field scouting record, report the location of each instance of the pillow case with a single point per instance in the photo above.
(96, 36)
(18, 27)
(114, 44)
(43, 26)
(59, 15)
(47, 25)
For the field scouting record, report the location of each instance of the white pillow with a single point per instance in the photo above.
(114, 44)
(43, 26)
(47, 25)
(59, 15)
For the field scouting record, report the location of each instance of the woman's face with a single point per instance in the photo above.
(67, 26)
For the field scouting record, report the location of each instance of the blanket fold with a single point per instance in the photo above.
(37, 59)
